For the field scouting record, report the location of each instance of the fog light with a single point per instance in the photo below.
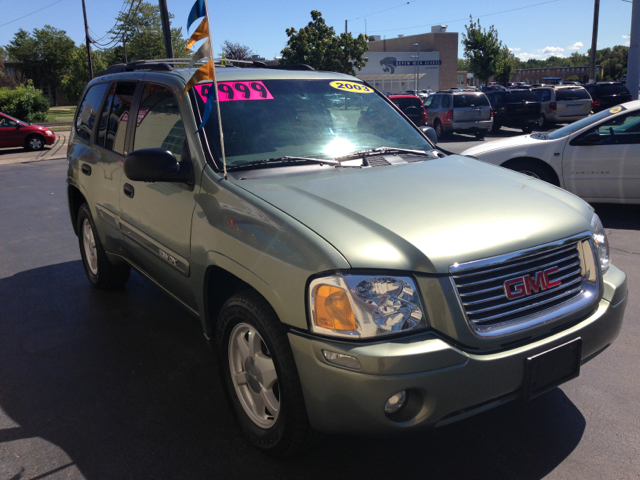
(341, 359)
(396, 402)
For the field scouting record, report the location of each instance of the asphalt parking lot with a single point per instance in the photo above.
(121, 385)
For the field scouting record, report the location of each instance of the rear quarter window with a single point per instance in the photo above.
(470, 100)
(88, 111)
(572, 94)
(404, 103)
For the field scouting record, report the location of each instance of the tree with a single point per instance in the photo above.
(505, 65)
(24, 102)
(45, 56)
(463, 65)
(77, 76)
(141, 28)
(236, 51)
(482, 50)
(318, 46)
(5, 80)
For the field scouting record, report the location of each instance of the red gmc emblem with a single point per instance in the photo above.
(521, 286)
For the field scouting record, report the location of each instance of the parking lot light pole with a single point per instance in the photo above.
(417, 65)
(633, 61)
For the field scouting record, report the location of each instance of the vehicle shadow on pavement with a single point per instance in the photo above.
(126, 385)
(620, 217)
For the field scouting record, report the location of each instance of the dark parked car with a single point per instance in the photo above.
(16, 133)
(412, 107)
(514, 108)
(607, 94)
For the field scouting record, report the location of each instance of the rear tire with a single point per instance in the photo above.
(260, 376)
(480, 134)
(437, 126)
(542, 121)
(100, 271)
(527, 129)
(495, 128)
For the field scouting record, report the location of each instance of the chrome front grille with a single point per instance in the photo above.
(511, 292)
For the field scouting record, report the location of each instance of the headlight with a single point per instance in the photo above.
(48, 132)
(364, 306)
(601, 243)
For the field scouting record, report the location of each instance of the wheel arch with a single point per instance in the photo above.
(513, 162)
(75, 199)
(34, 134)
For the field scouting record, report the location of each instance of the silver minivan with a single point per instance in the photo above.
(461, 112)
(563, 104)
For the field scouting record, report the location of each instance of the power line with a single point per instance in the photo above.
(466, 18)
(385, 10)
(32, 13)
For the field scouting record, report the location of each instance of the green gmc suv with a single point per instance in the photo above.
(350, 276)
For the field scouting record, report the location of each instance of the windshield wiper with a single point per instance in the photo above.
(280, 161)
(383, 150)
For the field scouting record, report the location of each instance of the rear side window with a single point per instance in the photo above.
(159, 124)
(496, 99)
(470, 100)
(446, 101)
(519, 97)
(572, 94)
(543, 95)
(613, 90)
(119, 117)
(88, 111)
(404, 103)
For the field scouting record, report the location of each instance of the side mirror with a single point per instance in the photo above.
(592, 138)
(156, 165)
(431, 134)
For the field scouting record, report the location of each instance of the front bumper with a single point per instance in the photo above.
(50, 139)
(445, 382)
(566, 118)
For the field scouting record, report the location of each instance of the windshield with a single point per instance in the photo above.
(520, 97)
(585, 122)
(613, 89)
(303, 118)
(577, 93)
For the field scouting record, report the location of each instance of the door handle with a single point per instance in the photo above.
(86, 169)
(128, 190)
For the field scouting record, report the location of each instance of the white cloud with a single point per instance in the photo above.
(552, 51)
(515, 49)
(526, 56)
(626, 36)
(576, 46)
(628, 44)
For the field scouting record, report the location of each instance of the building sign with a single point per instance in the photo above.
(392, 66)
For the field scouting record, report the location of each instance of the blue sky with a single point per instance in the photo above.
(531, 28)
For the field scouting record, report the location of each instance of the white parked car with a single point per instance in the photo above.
(596, 158)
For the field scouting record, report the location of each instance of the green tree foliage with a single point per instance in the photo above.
(505, 65)
(5, 80)
(482, 50)
(463, 65)
(141, 27)
(45, 56)
(318, 46)
(236, 51)
(24, 103)
(77, 75)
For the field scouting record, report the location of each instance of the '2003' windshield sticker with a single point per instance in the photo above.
(615, 110)
(235, 91)
(351, 87)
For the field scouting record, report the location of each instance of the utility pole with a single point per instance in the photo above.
(124, 46)
(594, 42)
(345, 27)
(633, 61)
(166, 28)
(86, 34)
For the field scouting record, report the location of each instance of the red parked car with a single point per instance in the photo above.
(16, 133)
(412, 107)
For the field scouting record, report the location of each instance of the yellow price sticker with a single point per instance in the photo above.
(615, 110)
(351, 87)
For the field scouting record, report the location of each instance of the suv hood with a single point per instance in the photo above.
(517, 141)
(426, 216)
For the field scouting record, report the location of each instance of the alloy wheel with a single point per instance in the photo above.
(90, 250)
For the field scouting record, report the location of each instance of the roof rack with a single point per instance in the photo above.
(293, 66)
(165, 64)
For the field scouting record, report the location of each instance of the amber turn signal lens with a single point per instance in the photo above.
(332, 309)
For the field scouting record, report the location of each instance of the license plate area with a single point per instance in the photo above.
(549, 369)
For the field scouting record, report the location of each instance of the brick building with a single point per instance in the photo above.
(535, 75)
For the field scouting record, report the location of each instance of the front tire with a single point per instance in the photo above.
(100, 271)
(542, 121)
(34, 143)
(260, 376)
(495, 128)
(480, 134)
(527, 129)
(437, 126)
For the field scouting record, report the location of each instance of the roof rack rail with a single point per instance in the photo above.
(294, 66)
(163, 64)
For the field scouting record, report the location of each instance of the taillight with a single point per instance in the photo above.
(553, 105)
(597, 102)
(425, 117)
(450, 114)
(492, 113)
